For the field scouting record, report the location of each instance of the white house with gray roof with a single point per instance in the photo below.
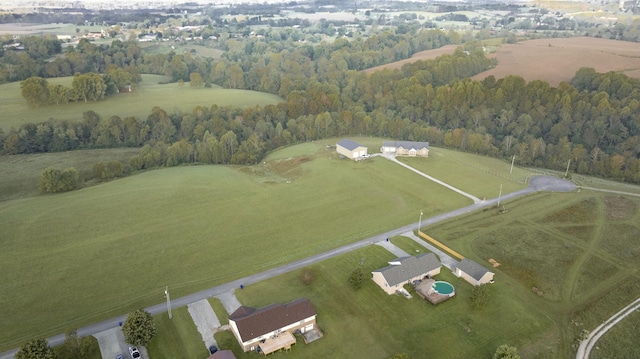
(351, 149)
(473, 272)
(406, 270)
(405, 148)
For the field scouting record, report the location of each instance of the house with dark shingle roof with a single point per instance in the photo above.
(406, 270)
(405, 148)
(268, 325)
(351, 149)
(473, 272)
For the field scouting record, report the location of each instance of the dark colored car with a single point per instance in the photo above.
(213, 349)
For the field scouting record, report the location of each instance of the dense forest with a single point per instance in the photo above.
(592, 123)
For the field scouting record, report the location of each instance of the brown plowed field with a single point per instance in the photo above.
(418, 56)
(557, 60)
(551, 60)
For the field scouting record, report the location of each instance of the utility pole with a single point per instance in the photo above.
(499, 196)
(166, 293)
(512, 160)
(567, 171)
(420, 222)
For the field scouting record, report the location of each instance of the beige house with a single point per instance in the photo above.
(405, 148)
(271, 328)
(351, 149)
(473, 272)
(406, 270)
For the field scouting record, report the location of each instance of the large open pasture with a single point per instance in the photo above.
(151, 92)
(557, 60)
(418, 56)
(104, 250)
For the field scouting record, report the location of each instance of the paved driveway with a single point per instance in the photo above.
(112, 343)
(229, 301)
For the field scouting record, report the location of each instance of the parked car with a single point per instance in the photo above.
(213, 349)
(119, 356)
(135, 354)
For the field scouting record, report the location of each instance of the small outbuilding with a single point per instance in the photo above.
(473, 272)
(406, 270)
(405, 148)
(351, 149)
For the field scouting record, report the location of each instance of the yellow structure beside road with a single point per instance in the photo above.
(440, 245)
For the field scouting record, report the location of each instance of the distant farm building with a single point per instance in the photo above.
(473, 272)
(406, 270)
(273, 327)
(405, 148)
(351, 149)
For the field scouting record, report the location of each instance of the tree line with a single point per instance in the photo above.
(590, 124)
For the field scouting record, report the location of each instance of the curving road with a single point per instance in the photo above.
(587, 345)
(536, 184)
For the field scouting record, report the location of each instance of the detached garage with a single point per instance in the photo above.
(351, 149)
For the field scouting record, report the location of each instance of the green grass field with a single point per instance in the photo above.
(190, 228)
(150, 93)
(569, 260)
(177, 337)
(368, 323)
(453, 167)
(20, 173)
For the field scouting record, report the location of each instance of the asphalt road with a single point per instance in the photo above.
(536, 184)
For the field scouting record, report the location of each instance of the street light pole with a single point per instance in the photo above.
(420, 222)
(166, 293)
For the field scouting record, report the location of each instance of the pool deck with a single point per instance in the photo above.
(425, 290)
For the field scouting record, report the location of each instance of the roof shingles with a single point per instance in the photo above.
(410, 267)
(253, 324)
(475, 270)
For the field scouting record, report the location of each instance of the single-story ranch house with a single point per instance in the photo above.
(351, 149)
(405, 148)
(406, 270)
(473, 272)
(271, 328)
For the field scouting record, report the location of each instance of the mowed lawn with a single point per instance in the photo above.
(368, 323)
(455, 167)
(151, 92)
(76, 258)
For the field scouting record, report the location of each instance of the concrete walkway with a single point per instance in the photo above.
(445, 259)
(473, 198)
(229, 301)
(393, 249)
(205, 320)
(587, 345)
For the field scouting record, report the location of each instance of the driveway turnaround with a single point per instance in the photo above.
(205, 320)
(536, 184)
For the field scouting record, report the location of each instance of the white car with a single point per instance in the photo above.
(366, 155)
(135, 354)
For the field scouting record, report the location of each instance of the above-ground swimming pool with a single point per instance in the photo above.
(443, 288)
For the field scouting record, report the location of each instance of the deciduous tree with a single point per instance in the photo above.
(36, 349)
(139, 328)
